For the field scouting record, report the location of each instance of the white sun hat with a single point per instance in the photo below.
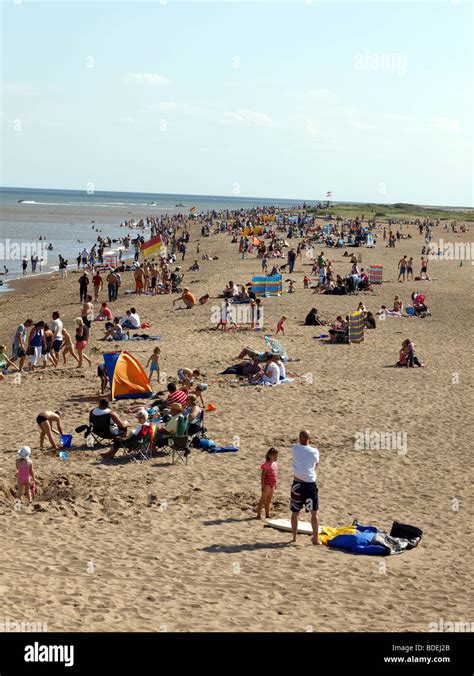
(24, 452)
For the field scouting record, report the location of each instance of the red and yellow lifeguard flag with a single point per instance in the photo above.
(192, 210)
(152, 246)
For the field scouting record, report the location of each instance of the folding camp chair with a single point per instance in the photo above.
(141, 450)
(98, 428)
(180, 443)
(180, 448)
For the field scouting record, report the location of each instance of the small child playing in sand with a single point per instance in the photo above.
(306, 281)
(291, 287)
(5, 362)
(269, 480)
(26, 473)
(103, 377)
(281, 326)
(154, 363)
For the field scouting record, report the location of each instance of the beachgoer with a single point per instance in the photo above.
(188, 299)
(87, 311)
(19, 347)
(132, 321)
(36, 344)
(68, 346)
(25, 473)
(281, 325)
(402, 268)
(412, 359)
(5, 362)
(104, 378)
(269, 480)
(83, 284)
(82, 337)
(304, 489)
(154, 364)
(98, 282)
(46, 421)
(424, 268)
(57, 329)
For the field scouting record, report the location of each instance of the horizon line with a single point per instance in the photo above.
(241, 197)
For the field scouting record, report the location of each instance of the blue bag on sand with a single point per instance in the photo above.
(206, 444)
(223, 449)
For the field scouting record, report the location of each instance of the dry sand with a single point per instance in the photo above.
(156, 547)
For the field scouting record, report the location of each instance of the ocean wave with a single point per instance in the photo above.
(78, 204)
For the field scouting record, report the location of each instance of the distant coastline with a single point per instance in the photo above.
(178, 198)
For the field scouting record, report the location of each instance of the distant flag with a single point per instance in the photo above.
(192, 210)
(151, 247)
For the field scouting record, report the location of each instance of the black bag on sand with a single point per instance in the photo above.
(401, 530)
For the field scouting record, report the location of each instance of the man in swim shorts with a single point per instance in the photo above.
(304, 490)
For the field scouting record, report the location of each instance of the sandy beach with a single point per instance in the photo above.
(154, 547)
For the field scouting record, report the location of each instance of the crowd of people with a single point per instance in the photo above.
(263, 233)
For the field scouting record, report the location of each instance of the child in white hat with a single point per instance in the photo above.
(25, 471)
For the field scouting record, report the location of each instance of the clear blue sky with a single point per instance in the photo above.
(371, 100)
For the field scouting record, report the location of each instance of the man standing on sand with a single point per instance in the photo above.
(140, 279)
(291, 260)
(424, 268)
(402, 268)
(57, 329)
(304, 490)
(98, 283)
(83, 284)
(19, 343)
(112, 285)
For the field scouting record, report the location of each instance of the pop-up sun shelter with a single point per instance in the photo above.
(127, 377)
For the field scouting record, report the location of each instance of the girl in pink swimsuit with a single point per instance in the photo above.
(25, 472)
(269, 480)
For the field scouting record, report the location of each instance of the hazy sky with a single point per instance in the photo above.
(371, 100)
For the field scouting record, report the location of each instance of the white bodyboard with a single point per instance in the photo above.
(304, 527)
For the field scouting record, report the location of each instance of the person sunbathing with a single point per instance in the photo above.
(385, 312)
(254, 354)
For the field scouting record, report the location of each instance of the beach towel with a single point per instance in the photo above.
(356, 327)
(375, 274)
(355, 538)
